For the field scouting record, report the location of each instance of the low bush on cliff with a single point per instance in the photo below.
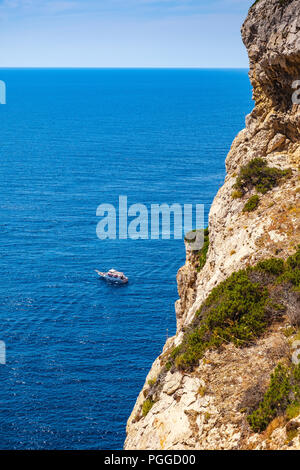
(147, 405)
(234, 312)
(272, 266)
(238, 310)
(257, 174)
(237, 194)
(291, 272)
(284, 3)
(281, 398)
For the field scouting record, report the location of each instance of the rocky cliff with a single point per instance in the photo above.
(226, 380)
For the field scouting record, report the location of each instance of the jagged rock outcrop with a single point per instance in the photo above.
(203, 409)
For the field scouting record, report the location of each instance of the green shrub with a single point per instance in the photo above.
(294, 260)
(204, 250)
(293, 410)
(284, 2)
(282, 397)
(257, 174)
(147, 405)
(252, 204)
(289, 331)
(292, 271)
(237, 194)
(275, 400)
(202, 254)
(234, 312)
(272, 266)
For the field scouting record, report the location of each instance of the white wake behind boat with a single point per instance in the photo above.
(113, 276)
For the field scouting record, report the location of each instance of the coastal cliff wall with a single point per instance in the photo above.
(220, 396)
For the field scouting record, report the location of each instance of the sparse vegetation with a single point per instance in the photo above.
(257, 174)
(292, 271)
(238, 310)
(293, 410)
(151, 382)
(272, 266)
(282, 397)
(291, 434)
(147, 405)
(201, 391)
(204, 250)
(251, 204)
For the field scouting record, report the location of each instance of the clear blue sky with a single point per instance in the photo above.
(122, 33)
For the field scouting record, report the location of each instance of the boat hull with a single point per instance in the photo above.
(114, 280)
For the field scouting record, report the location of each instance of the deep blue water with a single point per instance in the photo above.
(78, 350)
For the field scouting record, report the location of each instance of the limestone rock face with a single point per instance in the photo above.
(186, 284)
(203, 409)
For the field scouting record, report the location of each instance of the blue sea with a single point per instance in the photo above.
(78, 350)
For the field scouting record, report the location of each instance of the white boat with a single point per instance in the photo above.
(113, 276)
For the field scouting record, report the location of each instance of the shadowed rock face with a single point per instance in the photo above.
(204, 409)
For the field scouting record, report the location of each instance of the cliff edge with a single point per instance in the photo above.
(227, 379)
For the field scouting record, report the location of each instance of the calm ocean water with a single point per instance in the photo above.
(78, 350)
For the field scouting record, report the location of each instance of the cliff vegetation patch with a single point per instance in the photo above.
(282, 3)
(252, 204)
(282, 398)
(257, 174)
(240, 309)
(203, 252)
(147, 405)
